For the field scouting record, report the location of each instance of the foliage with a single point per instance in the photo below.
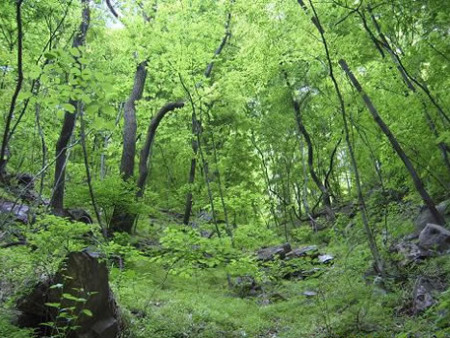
(273, 70)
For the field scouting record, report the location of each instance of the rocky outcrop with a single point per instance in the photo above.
(306, 251)
(81, 285)
(426, 217)
(435, 237)
(15, 211)
(291, 266)
(424, 294)
(410, 252)
(270, 253)
(79, 215)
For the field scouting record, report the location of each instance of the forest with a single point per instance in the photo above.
(224, 168)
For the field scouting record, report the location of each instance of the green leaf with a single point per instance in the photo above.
(87, 312)
(57, 286)
(50, 55)
(69, 297)
(68, 107)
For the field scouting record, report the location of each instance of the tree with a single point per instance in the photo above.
(79, 40)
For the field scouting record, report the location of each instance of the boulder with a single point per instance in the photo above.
(410, 252)
(16, 212)
(25, 180)
(325, 259)
(79, 215)
(270, 253)
(309, 293)
(423, 295)
(307, 251)
(81, 277)
(434, 236)
(426, 217)
(246, 286)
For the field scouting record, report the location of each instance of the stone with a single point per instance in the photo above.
(426, 217)
(307, 251)
(16, 212)
(434, 236)
(309, 293)
(246, 286)
(26, 180)
(79, 215)
(423, 297)
(410, 252)
(82, 276)
(270, 253)
(325, 258)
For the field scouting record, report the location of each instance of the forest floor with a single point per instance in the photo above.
(173, 282)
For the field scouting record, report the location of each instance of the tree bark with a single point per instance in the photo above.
(395, 144)
(4, 146)
(325, 193)
(379, 264)
(57, 200)
(130, 124)
(145, 152)
(196, 127)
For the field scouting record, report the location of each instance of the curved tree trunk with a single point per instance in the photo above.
(145, 152)
(57, 200)
(325, 193)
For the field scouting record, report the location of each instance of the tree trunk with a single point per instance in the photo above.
(122, 220)
(130, 124)
(4, 146)
(398, 149)
(145, 152)
(325, 193)
(57, 200)
(408, 80)
(196, 127)
(379, 264)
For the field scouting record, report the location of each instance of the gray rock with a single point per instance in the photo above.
(426, 217)
(307, 251)
(25, 180)
(269, 254)
(79, 215)
(434, 236)
(309, 293)
(325, 258)
(16, 212)
(423, 297)
(410, 252)
(246, 286)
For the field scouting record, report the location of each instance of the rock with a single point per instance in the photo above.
(423, 297)
(25, 180)
(434, 236)
(309, 293)
(307, 251)
(246, 286)
(79, 215)
(82, 276)
(325, 259)
(269, 254)
(426, 217)
(410, 252)
(16, 211)
(206, 233)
